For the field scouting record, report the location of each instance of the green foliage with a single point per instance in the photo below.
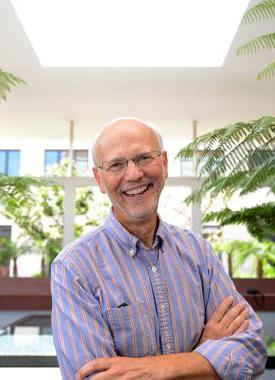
(268, 72)
(40, 215)
(259, 220)
(270, 344)
(261, 11)
(10, 251)
(7, 81)
(260, 255)
(266, 41)
(17, 189)
(239, 157)
(6, 250)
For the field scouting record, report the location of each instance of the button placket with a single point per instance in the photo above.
(164, 317)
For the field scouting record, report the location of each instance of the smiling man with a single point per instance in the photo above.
(141, 299)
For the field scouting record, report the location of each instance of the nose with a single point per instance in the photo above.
(133, 172)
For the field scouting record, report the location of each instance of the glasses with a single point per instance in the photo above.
(120, 164)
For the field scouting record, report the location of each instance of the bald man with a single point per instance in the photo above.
(138, 298)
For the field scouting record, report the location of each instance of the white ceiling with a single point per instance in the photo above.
(170, 97)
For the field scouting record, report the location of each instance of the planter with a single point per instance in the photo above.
(25, 294)
(4, 270)
(259, 292)
(35, 294)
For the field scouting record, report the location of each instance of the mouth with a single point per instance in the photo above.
(137, 191)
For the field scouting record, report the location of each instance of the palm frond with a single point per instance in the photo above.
(17, 188)
(261, 11)
(266, 41)
(263, 175)
(260, 220)
(268, 72)
(238, 156)
(7, 81)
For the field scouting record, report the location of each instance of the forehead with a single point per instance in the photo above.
(125, 139)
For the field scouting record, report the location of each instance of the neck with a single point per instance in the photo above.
(144, 230)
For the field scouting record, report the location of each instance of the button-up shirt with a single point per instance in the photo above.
(112, 296)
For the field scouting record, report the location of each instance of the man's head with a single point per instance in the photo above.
(134, 188)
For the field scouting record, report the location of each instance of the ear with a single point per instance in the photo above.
(99, 180)
(165, 163)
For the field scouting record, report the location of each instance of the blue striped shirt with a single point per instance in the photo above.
(113, 296)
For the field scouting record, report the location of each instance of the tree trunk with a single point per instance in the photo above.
(43, 266)
(230, 264)
(259, 267)
(15, 268)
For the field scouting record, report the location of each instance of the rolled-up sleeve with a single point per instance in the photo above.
(79, 329)
(241, 356)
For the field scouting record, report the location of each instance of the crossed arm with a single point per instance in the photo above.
(225, 321)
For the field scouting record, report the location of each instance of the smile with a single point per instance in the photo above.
(137, 191)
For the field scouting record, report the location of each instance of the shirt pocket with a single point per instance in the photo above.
(133, 330)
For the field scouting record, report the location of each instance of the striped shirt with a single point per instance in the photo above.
(113, 296)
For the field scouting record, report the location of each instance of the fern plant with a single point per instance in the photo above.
(239, 157)
(261, 11)
(16, 188)
(7, 81)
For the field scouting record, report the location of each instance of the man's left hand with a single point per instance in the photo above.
(150, 367)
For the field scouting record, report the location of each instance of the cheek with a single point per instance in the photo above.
(110, 186)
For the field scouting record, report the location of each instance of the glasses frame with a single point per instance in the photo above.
(102, 165)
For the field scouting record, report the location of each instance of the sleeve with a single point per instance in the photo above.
(241, 356)
(79, 330)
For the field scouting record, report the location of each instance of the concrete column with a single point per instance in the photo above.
(69, 206)
(196, 217)
(71, 149)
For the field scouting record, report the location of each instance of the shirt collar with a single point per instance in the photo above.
(132, 243)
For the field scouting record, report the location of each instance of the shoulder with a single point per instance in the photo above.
(188, 241)
(184, 235)
(76, 253)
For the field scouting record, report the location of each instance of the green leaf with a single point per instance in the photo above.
(257, 44)
(7, 81)
(268, 72)
(260, 11)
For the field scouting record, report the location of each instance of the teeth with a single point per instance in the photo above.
(136, 191)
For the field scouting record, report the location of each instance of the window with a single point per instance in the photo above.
(80, 159)
(187, 167)
(10, 162)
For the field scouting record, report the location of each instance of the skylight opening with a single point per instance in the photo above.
(130, 33)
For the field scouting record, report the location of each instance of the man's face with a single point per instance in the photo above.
(135, 191)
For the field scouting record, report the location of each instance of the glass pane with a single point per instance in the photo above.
(187, 167)
(62, 154)
(2, 161)
(13, 162)
(172, 209)
(81, 161)
(51, 157)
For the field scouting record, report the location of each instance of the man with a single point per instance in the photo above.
(136, 298)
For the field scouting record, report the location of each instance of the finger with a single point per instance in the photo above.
(237, 322)
(94, 366)
(106, 375)
(222, 309)
(243, 327)
(232, 314)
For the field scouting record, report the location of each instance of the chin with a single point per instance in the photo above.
(142, 214)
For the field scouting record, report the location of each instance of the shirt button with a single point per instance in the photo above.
(132, 252)
(168, 346)
(154, 269)
(162, 306)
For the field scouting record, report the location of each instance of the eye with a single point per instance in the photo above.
(116, 165)
(144, 159)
